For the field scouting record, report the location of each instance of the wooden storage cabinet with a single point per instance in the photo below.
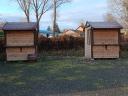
(102, 40)
(20, 40)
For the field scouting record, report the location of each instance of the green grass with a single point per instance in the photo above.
(69, 52)
(64, 75)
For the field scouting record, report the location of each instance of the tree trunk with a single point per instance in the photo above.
(28, 19)
(37, 21)
(38, 26)
(54, 17)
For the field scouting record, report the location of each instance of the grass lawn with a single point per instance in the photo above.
(68, 76)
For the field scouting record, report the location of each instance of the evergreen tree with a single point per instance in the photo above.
(49, 28)
(57, 29)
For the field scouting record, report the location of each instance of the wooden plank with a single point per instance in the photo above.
(106, 37)
(15, 54)
(20, 39)
(103, 52)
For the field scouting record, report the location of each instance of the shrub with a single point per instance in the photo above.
(2, 55)
(59, 43)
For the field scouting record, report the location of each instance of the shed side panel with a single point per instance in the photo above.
(103, 36)
(106, 51)
(14, 54)
(20, 38)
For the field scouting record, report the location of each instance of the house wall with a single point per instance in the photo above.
(14, 54)
(87, 45)
(103, 36)
(20, 38)
(81, 31)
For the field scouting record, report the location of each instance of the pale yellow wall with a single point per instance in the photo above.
(80, 29)
(71, 33)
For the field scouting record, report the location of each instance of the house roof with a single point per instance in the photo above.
(19, 26)
(104, 25)
(70, 33)
(80, 26)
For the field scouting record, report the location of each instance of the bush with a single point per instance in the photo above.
(2, 55)
(60, 43)
(1, 45)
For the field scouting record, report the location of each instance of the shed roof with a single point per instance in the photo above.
(104, 25)
(19, 26)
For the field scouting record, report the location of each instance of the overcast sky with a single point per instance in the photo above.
(69, 15)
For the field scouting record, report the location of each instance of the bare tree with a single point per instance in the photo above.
(109, 17)
(25, 5)
(119, 9)
(56, 4)
(40, 7)
(54, 17)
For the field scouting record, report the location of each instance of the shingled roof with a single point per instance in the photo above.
(19, 26)
(104, 25)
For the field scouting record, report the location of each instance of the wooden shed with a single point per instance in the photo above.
(20, 40)
(102, 40)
